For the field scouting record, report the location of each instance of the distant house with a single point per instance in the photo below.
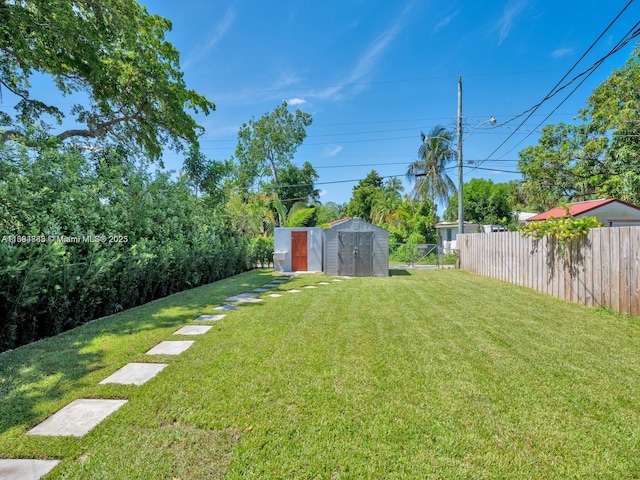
(522, 217)
(447, 232)
(610, 212)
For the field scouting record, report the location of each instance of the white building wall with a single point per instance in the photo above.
(612, 211)
(282, 248)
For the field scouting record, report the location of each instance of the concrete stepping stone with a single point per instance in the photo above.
(275, 295)
(260, 290)
(271, 285)
(239, 297)
(25, 469)
(226, 308)
(249, 300)
(171, 347)
(209, 318)
(77, 418)
(135, 374)
(324, 283)
(337, 280)
(294, 291)
(309, 286)
(193, 330)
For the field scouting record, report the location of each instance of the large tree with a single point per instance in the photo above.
(365, 195)
(428, 171)
(598, 157)
(565, 166)
(113, 53)
(269, 143)
(485, 202)
(296, 185)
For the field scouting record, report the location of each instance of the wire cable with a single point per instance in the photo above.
(553, 91)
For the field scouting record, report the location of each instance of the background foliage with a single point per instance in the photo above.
(87, 235)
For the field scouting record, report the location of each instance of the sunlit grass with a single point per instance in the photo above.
(425, 374)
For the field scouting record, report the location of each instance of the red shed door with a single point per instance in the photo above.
(299, 251)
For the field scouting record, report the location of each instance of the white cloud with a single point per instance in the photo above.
(447, 20)
(334, 150)
(511, 11)
(214, 37)
(322, 193)
(561, 52)
(296, 101)
(368, 60)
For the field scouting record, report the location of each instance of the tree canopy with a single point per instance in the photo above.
(112, 52)
(269, 143)
(365, 194)
(485, 202)
(597, 157)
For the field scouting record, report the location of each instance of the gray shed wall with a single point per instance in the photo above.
(380, 246)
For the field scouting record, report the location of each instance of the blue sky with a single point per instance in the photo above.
(374, 74)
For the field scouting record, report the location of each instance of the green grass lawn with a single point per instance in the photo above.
(425, 374)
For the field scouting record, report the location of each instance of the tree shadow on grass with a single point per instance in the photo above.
(35, 377)
(398, 272)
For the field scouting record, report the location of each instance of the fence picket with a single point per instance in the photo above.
(600, 269)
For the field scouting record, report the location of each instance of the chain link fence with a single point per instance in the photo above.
(420, 254)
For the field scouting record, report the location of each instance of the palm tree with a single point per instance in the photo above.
(428, 172)
(297, 216)
(383, 210)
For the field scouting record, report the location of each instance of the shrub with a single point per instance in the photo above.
(261, 251)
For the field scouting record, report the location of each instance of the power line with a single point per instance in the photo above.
(634, 32)
(555, 89)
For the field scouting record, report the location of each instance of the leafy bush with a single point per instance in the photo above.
(261, 251)
(561, 229)
(54, 274)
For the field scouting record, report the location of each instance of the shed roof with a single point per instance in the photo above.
(577, 209)
(348, 223)
(339, 221)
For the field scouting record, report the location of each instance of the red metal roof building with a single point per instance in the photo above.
(609, 212)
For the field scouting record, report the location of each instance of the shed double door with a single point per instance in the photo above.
(356, 253)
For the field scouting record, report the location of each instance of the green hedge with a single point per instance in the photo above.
(42, 293)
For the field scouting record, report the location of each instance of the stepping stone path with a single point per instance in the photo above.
(77, 418)
(209, 318)
(80, 416)
(249, 300)
(193, 330)
(134, 374)
(226, 308)
(170, 347)
(25, 469)
(240, 297)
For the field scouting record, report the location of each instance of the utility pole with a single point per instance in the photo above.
(460, 177)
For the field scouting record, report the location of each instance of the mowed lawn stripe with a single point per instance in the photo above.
(425, 374)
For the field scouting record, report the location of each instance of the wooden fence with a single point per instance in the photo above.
(598, 269)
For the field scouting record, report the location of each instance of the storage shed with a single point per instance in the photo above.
(357, 248)
(298, 249)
